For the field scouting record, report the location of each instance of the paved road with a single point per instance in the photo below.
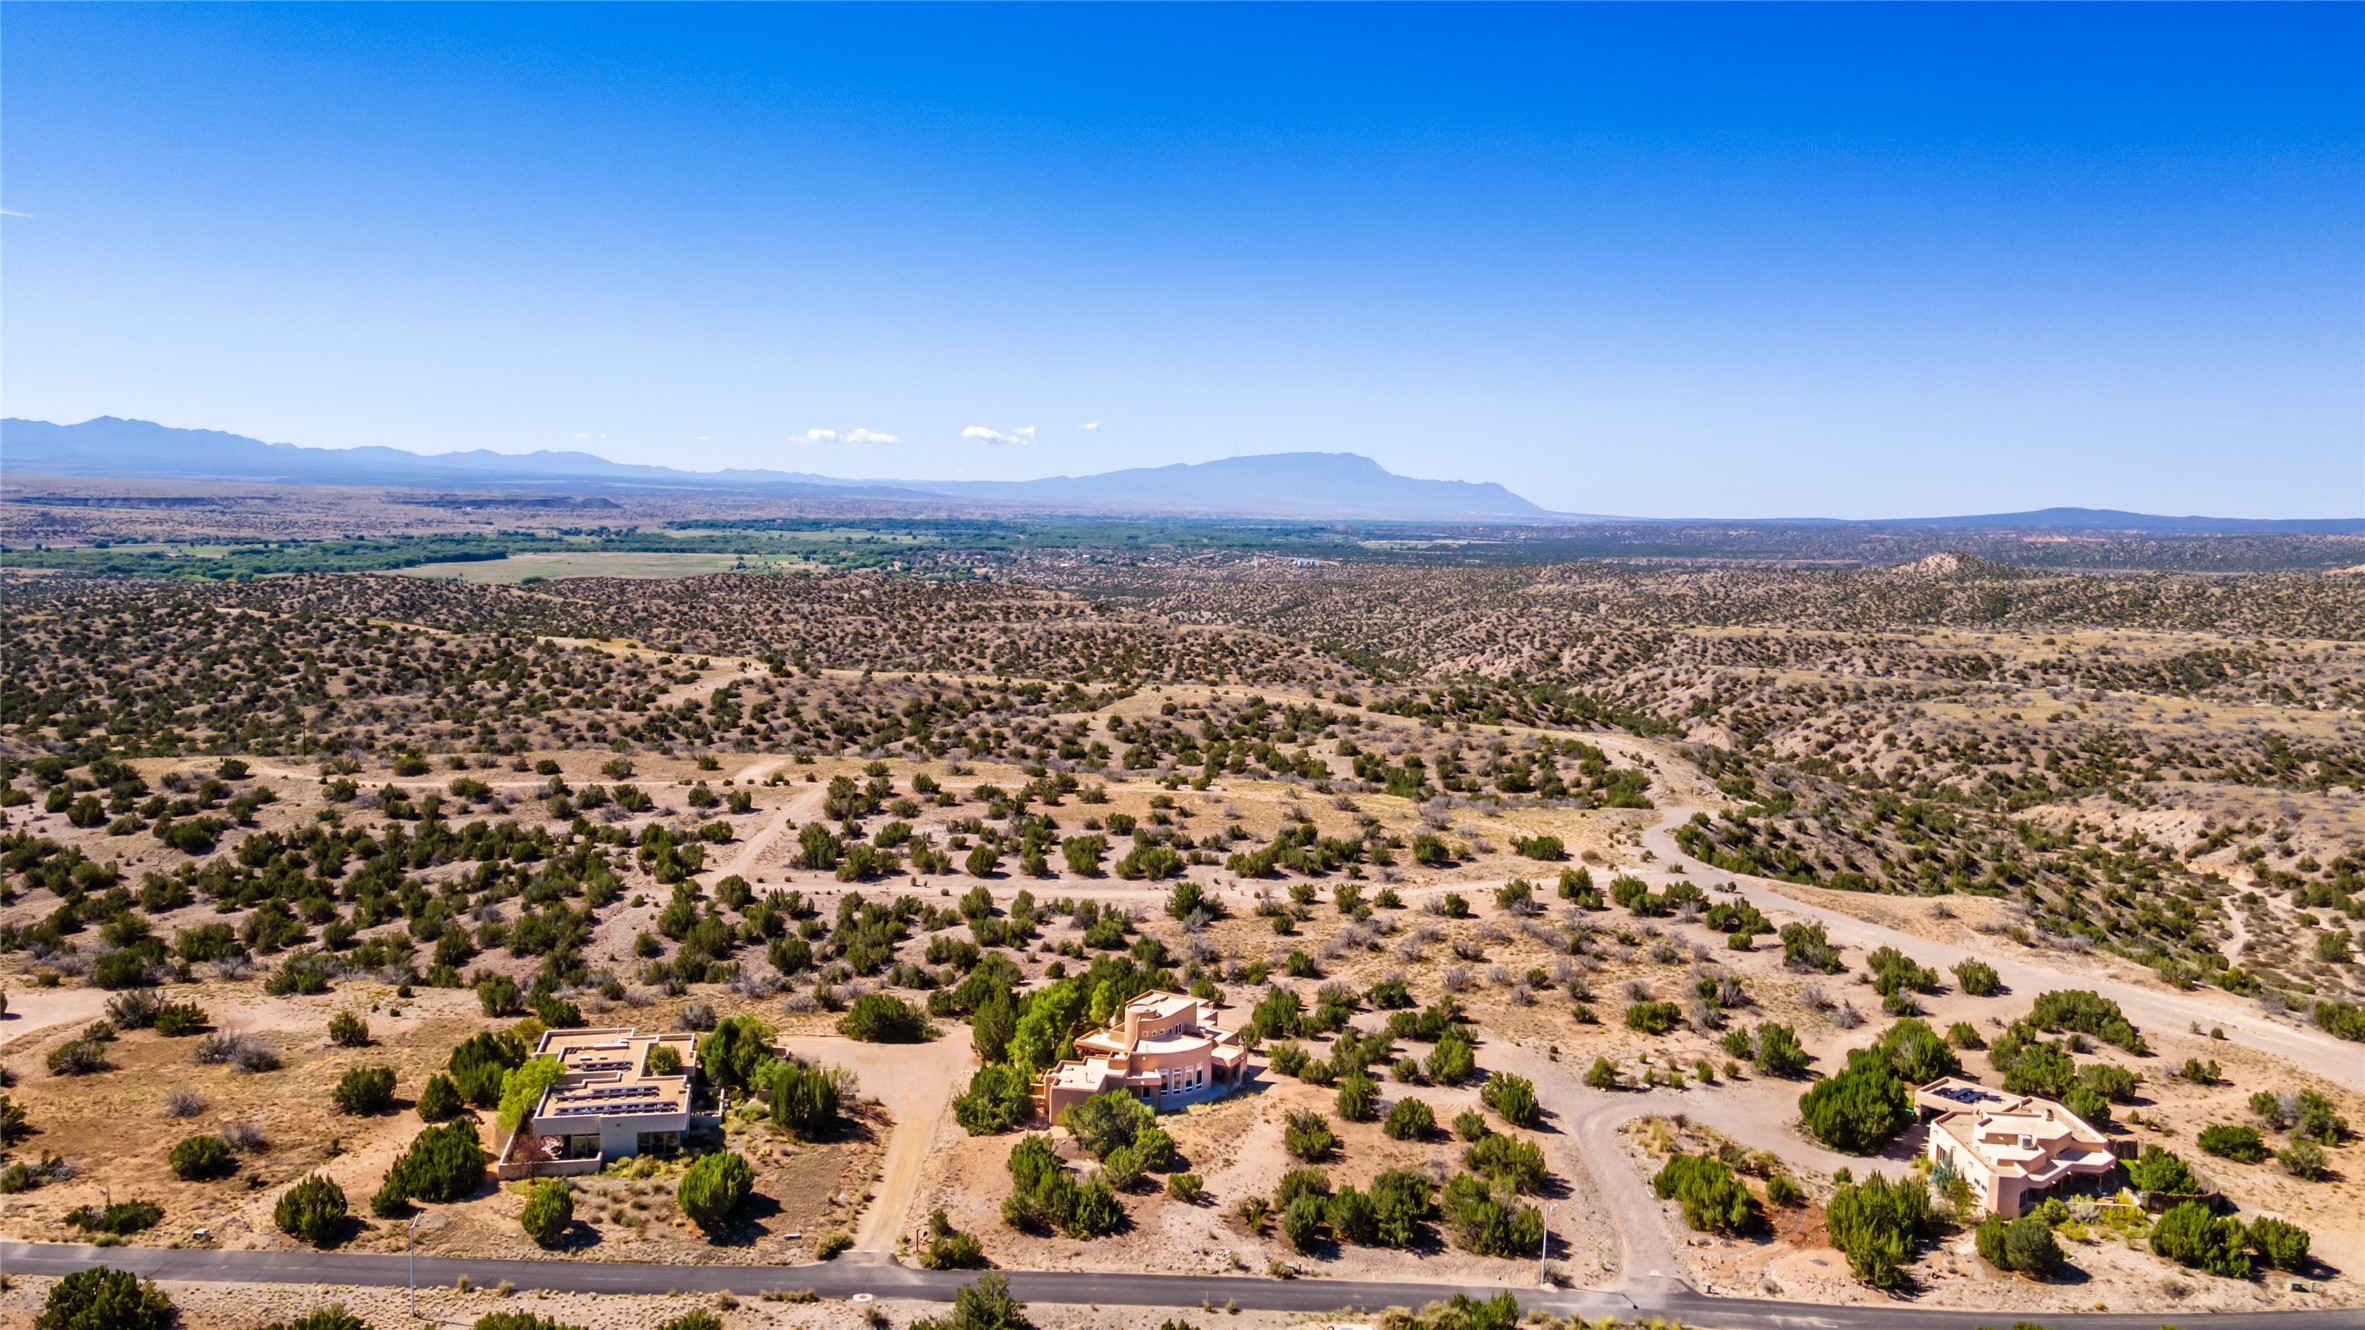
(1182, 1292)
(2147, 1006)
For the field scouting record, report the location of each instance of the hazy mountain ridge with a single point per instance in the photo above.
(1302, 485)
(1267, 485)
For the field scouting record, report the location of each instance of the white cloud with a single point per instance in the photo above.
(706, 438)
(1089, 424)
(581, 437)
(11, 212)
(850, 436)
(815, 436)
(871, 436)
(1023, 434)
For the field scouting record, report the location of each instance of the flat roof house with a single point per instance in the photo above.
(609, 1103)
(2012, 1149)
(1166, 1049)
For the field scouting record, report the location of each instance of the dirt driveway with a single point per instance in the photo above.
(916, 1083)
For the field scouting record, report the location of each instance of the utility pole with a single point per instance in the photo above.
(1545, 1253)
(414, 1249)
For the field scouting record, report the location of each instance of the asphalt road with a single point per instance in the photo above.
(1182, 1292)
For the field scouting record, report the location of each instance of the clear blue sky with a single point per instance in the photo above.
(1741, 261)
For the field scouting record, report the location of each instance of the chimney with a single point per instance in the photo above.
(1132, 1026)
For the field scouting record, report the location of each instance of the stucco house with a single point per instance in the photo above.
(622, 1094)
(2012, 1149)
(1165, 1048)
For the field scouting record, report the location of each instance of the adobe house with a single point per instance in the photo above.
(611, 1102)
(1166, 1049)
(2012, 1149)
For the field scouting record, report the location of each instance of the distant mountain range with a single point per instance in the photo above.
(1280, 485)
(1269, 485)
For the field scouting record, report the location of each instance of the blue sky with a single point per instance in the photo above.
(1738, 261)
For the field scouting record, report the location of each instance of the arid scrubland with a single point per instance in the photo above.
(1527, 882)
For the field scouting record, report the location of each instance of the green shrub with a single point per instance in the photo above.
(1653, 1017)
(2190, 1235)
(983, 1305)
(1777, 1052)
(1713, 1200)
(1978, 979)
(882, 1018)
(1917, 1053)
(804, 1099)
(443, 1164)
(2243, 1145)
(1878, 1226)
(1784, 1191)
(522, 1088)
(102, 1299)
(2087, 1013)
(347, 1030)
(1308, 1136)
(1410, 1120)
(1859, 1110)
(1358, 1098)
(697, 1318)
(1107, 1122)
(1487, 1218)
(313, 1211)
(2025, 1245)
(198, 1158)
(179, 1020)
(119, 1218)
(999, 1097)
(1602, 1075)
(479, 1063)
(438, 1099)
(1513, 1098)
(2162, 1170)
(549, 1210)
(1507, 1159)
(2279, 1244)
(713, 1188)
(364, 1090)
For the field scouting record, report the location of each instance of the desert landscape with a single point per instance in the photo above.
(1580, 918)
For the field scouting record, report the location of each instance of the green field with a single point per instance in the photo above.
(552, 565)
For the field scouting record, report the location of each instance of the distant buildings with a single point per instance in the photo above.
(622, 1094)
(2012, 1149)
(1165, 1049)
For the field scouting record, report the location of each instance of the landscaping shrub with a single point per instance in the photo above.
(1878, 1226)
(2025, 1245)
(1713, 1200)
(443, 1164)
(713, 1188)
(804, 1099)
(2190, 1235)
(549, 1210)
(2162, 1170)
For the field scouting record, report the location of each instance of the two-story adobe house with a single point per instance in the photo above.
(1166, 1049)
